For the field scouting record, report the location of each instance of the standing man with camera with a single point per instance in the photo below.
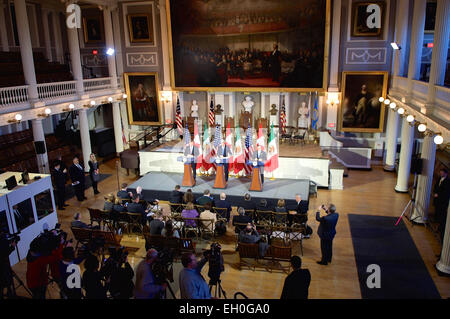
(192, 283)
(146, 286)
(326, 231)
(7, 246)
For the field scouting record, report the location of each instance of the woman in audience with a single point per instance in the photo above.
(92, 279)
(190, 212)
(109, 203)
(281, 208)
(169, 231)
(208, 216)
(188, 196)
(94, 173)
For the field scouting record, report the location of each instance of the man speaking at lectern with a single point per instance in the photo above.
(260, 156)
(224, 150)
(192, 151)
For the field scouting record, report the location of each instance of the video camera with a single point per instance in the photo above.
(6, 243)
(215, 259)
(162, 266)
(48, 241)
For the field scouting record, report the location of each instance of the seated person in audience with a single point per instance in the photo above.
(206, 198)
(190, 212)
(109, 203)
(262, 205)
(242, 218)
(300, 208)
(188, 196)
(118, 206)
(77, 223)
(223, 203)
(123, 193)
(251, 236)
(157, 224)
(136, 207)
(281, 208)
(248, 204)
(176, 196)
(169, 231)
(207, 214)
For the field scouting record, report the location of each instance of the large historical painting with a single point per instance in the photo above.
(360, 16)
(361, 110)
(143, 99)
(256, 44)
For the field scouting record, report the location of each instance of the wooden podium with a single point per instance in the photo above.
(220, 181)
(256, 183)
(188, 177)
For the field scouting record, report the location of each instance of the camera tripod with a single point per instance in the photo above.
(170, 289)
(11, 289)
(411, 205)
(218, 290)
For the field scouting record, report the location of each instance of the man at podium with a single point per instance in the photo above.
(224, 151)
(192, 151)
(260, 156)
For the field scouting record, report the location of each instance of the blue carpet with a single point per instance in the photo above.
(376, 240)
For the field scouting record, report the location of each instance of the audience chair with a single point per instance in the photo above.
(95, 216)
(134, 222)
(300, 136)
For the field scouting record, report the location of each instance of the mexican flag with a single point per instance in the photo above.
(198, 144)
(260, 140)
(206, 150)
(272, 155)
(238, 158)
(229, 143)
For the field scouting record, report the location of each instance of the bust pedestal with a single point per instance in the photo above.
(245, 120)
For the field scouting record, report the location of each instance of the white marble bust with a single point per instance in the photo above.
(194, 109)
(303, 117)
(248, 104)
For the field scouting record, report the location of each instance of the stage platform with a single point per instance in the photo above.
(159, 185)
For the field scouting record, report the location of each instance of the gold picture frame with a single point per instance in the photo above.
(93, 29)
(252, 89)
(359, 18)
(145, 23)
(143, 104)
(360, 109)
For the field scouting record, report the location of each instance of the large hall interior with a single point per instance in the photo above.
(198, 149)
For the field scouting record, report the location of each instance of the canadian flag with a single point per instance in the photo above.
(198, 144)
(260, 140)
(206, 150)
(272, 155)
(239, 158)
(229, 143)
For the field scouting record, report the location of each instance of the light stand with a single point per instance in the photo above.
(411, 202)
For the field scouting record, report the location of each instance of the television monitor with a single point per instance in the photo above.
(11, 182)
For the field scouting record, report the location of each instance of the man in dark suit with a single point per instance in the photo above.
(248, 204)
(260, 156)
(123, 193)
(223, 203)
(59, 178)
(176, 196)
(242, 218)
(192, 151)
(225, 151)
(298, 211)
(441, 198)
(76, 172)
(327, 231)
(275, 63)
(136, 207)
(296, 284)
(206, 198)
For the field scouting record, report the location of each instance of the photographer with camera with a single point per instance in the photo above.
(8, 244)
(251, 236)
(192, 283)
(146, 286)
(118, 274)
(326, 231)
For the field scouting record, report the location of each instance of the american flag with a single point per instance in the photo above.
(217, 139)
(178, 118)
(187, 136)
(211, 114)
(283, 118)
(248, 150)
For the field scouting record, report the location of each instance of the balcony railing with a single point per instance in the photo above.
(51, 92)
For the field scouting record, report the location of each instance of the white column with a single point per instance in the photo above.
(416, 43)
(263, 105)
(440, 51)
(117, 121)
(3, 34)
(75, 59)
(425, 180)
(38, 135)
(287, 103)
(443, 265)
(48, 49)
(405, 157)
(26, 49)
(125, 125)
(232, 105)
(109, 41)
(401, 32)
(117, 41)
(85, 138)
(334, 53)
(165, 46)
(58, 38)
(391, 140)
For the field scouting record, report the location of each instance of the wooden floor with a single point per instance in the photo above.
(365, 192)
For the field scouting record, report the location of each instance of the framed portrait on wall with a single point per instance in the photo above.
(360, 15)
(140, 28)
(361, 110)
(260, 45)
(93, 29)
(143, 98)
